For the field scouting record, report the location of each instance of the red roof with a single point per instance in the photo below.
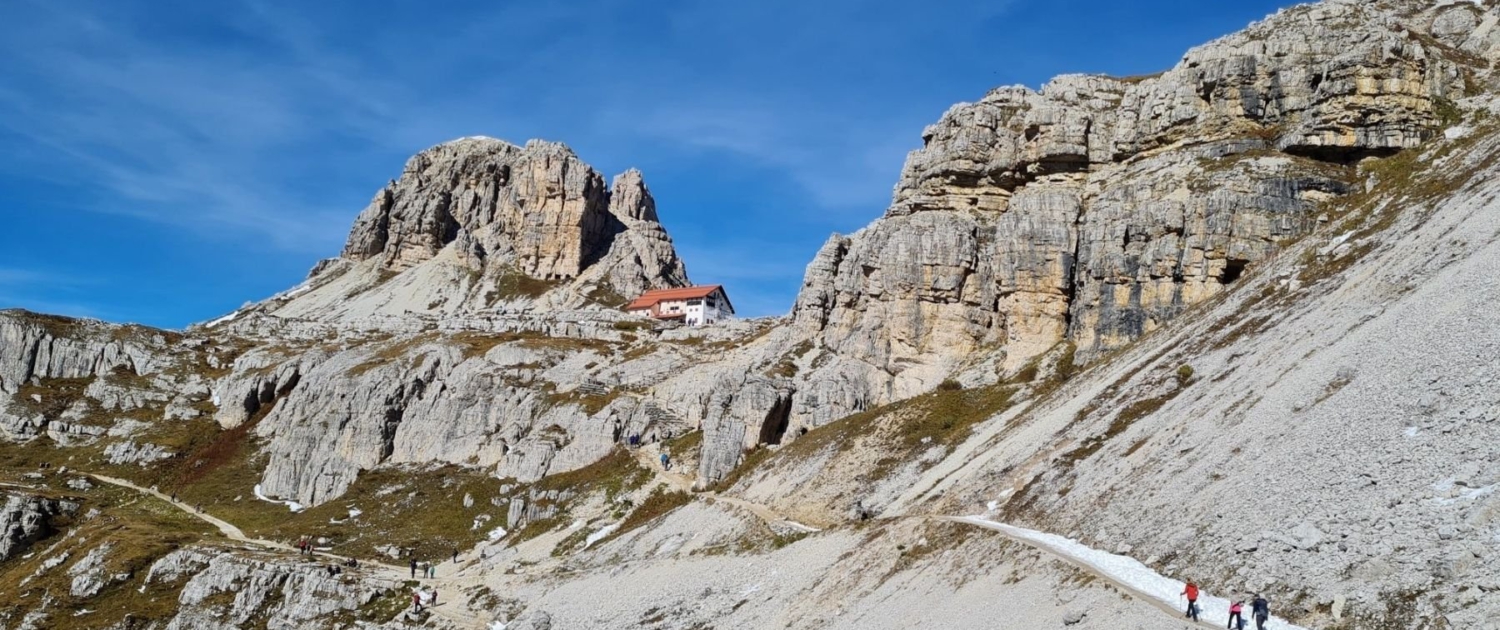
(650, 298)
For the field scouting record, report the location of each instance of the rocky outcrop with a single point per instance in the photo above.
(228, 590)
(479, 225)
(1096, 209)
(25, 519)
(539, 208)
(35, 347)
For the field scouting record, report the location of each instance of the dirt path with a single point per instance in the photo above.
(230, 531)
(1135, 593)
(454, 586)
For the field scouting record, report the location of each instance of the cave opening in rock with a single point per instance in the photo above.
(1233, 269)
(777, 420)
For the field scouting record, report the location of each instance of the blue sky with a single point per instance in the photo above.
(164, 162)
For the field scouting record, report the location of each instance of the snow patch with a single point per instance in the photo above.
(1123, 569)
(1411, 432)
(222, 320)
(497, 534)
(1454, 133)
(600, 535)
(806, 529)
(292, 505)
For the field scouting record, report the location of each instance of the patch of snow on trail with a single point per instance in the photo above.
(1127, 571)
(497, 534)
(292, 505)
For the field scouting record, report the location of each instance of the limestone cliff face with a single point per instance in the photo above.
(539, 207)
(1094, 209)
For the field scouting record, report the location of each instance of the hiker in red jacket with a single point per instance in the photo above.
(1236, 619)
(1192, 596)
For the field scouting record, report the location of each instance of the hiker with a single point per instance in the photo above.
(434, 596)
(666, 461)
(413, 568)
(1261, 610)
(455, 555)
(416, 601)
(1192, 596)
(1236, 620)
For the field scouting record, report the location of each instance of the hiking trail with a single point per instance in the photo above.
(1124, 573)
(400, 575)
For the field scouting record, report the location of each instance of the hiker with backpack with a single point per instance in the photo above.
(1192, 598)
(1236, 620)
(1261, 610)
(666, 461)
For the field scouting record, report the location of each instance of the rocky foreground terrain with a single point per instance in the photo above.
(1232, 321)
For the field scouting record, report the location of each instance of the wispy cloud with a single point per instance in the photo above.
(46, 291)
(185, 135)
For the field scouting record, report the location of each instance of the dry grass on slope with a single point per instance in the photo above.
(899, 432)
(137, 531)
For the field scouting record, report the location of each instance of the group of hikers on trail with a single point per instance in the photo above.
(429, 570)
(635, 442)
(420, 598)
(1260, 609)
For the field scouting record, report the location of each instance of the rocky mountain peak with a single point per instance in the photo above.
(479, 225)
(538, 208)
